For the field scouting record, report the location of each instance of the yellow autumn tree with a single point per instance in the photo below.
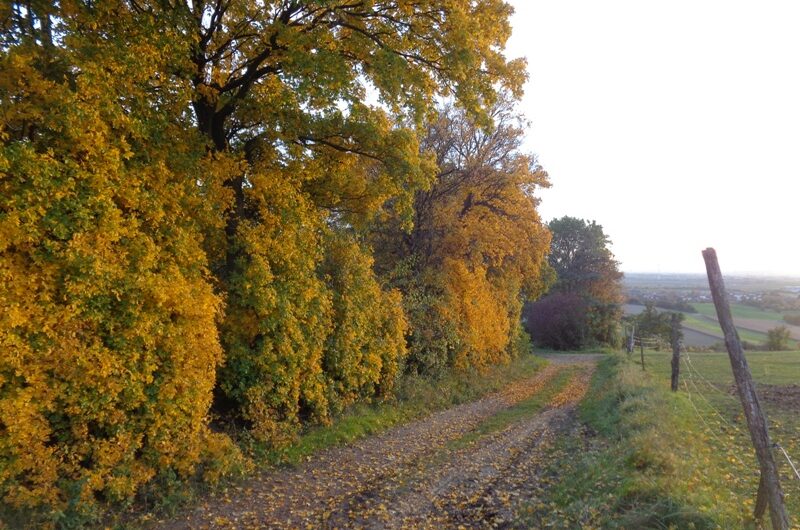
(277, 95)
(364, 351)
(185, 193)
(108, 338)
(477, 248)
(285, 300)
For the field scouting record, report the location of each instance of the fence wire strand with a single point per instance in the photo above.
(704, 378)
(725, 444)
(788, 459)
(692, 371)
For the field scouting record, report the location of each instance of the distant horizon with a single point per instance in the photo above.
(794, 276)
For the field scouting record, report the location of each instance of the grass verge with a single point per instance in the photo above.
(640, 459)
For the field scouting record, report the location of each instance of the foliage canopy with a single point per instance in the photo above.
(778, 338)
(585, 268)
(197, 205)
(477, 247)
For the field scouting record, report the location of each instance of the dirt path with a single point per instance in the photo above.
(441, 471)
(573, 358)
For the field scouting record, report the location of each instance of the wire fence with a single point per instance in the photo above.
(694, 372)
(731, 450)
(691, 377)
(788, 459)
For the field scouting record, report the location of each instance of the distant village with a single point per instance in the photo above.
(678, 291)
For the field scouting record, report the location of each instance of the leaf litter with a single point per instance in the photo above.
(408, 476)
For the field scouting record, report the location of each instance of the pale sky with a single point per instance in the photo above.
(674, 124)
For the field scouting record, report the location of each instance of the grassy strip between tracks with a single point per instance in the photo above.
(524, 409)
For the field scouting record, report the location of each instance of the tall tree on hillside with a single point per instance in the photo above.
(108, 336)
(583, 262)
(477, 247)
(185, 188)
(277, 93)
(654, 323)
(585, 267)
(778, 338)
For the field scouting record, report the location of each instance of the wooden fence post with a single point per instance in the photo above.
(641, 350)
(761, 500)
(756, 422)
(675, 336)
(631, 339)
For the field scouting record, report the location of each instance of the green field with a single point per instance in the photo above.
(776, 368)
(707, 381)
(701, 323)
(739, 311)
(704, 321)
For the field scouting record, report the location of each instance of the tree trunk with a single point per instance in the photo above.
(211, 124)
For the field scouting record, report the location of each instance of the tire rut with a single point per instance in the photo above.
(326, 491)
(475, 485)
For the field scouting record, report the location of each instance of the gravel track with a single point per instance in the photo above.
(409, 476)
